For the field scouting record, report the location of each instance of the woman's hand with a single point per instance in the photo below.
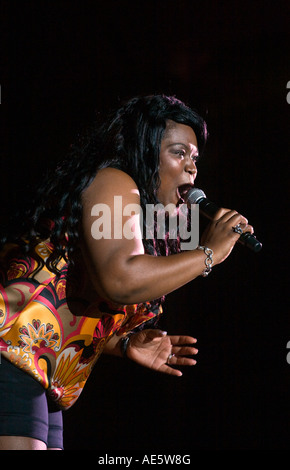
(158, 351)
(220, 236)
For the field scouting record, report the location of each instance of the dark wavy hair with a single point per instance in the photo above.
(128, 139)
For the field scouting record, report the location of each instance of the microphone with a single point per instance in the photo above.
(209, 209)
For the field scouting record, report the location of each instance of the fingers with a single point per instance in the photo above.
(180, 351)
(247, 228)
(170, 371)
(181, 358)
(184, 351)
(181, 340)
(175, 339)
(182, 361)
(233, 218)
(176, 361)
(181, 348)
(223, 233)
(220, 213)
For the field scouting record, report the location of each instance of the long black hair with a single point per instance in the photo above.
(129, 139)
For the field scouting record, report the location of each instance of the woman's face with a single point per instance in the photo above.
(178, 156)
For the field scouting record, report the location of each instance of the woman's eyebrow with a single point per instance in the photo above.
(184, 145)
(178, 143)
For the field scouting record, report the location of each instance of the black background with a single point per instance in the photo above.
(61, 62)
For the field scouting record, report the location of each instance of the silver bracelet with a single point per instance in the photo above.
(208, 260)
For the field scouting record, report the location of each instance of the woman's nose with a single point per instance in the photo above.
(190, 166)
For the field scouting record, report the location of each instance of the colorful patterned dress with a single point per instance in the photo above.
(40, 334)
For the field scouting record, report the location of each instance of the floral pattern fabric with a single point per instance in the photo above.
(40, 334)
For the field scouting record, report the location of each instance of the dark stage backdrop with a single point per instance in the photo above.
(61, 62)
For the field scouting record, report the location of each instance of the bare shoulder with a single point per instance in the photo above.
(109, 182)
(113, 173)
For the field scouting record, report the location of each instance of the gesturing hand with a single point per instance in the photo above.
(152, 349)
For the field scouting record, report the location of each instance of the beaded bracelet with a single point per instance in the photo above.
(208, 261)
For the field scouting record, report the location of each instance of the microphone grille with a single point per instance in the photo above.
(194, 195)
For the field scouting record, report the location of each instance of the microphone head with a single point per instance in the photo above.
(194, 195)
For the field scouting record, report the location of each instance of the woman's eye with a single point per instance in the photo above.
(180, 152)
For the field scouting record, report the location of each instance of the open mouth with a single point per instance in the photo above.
(182, 191)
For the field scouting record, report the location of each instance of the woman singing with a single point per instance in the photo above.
(81, 276)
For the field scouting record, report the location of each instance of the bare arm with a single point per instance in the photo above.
(119, 268)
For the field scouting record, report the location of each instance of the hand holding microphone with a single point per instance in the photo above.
(227, 228)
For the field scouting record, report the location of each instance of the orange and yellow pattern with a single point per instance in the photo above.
(40, 334)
